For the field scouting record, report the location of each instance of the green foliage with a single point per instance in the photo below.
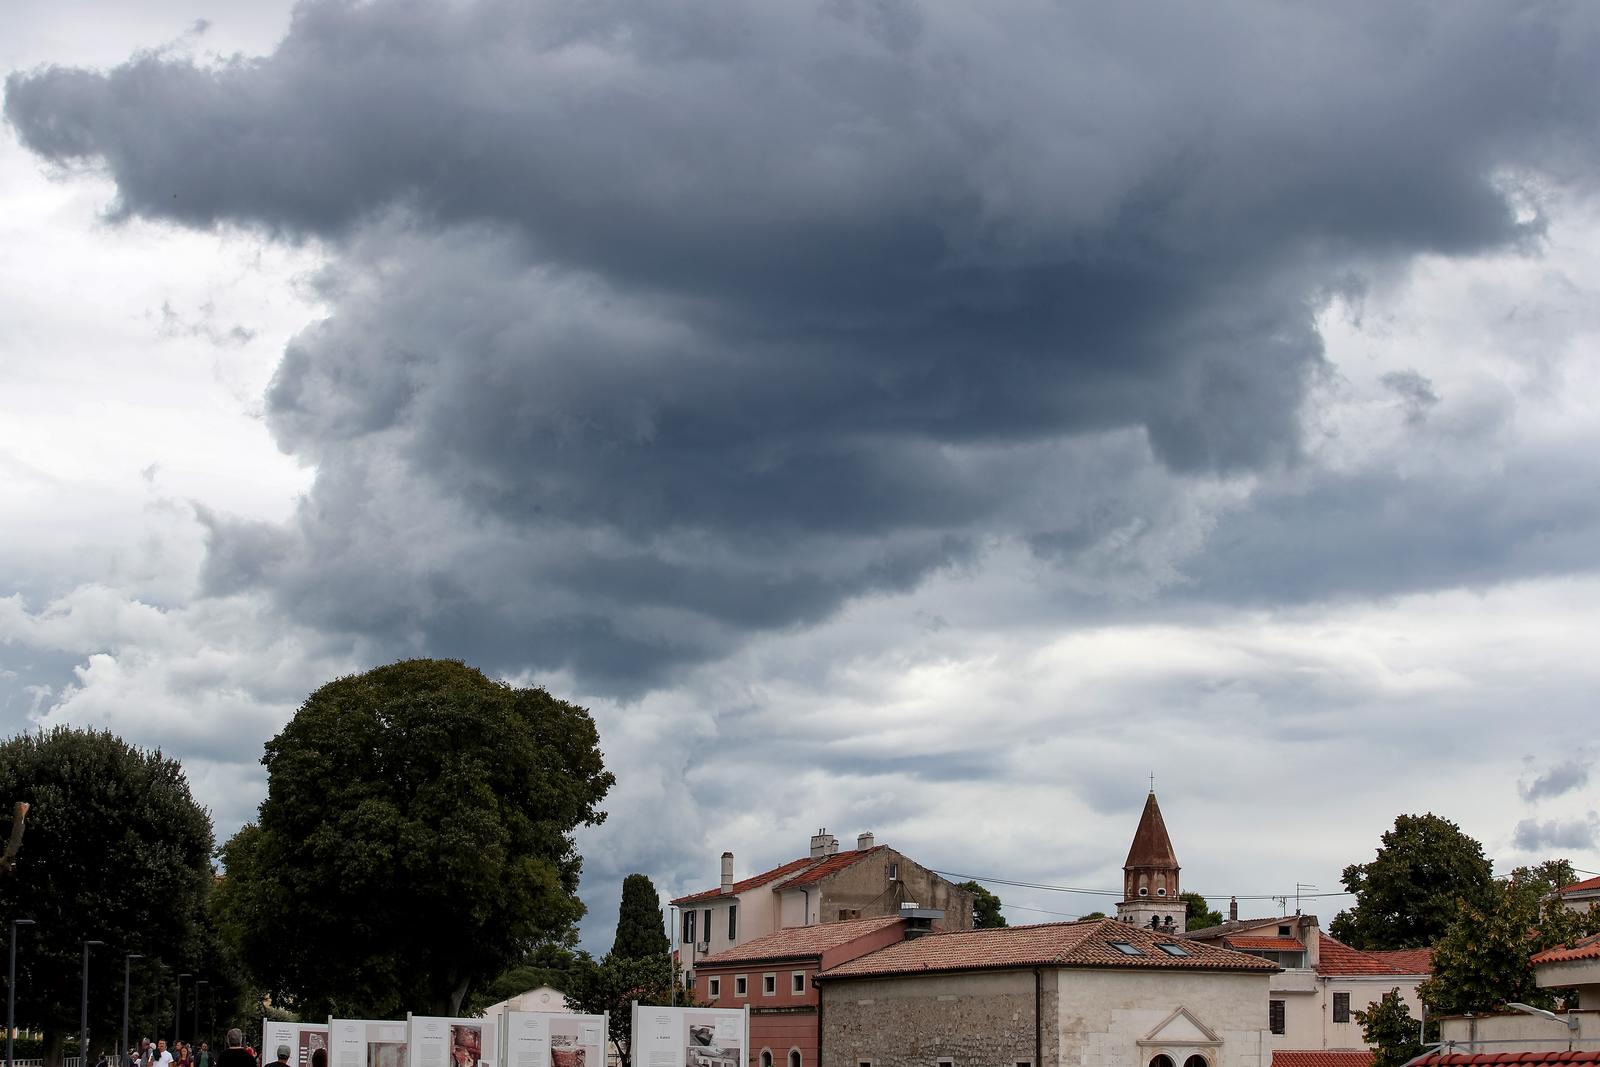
(117, 851)
(1394, 1035)
(613, 984)
(417, 834)
(986, 914)
(559, 965)
(1410, 893)
(641, 931)
(1484, 958)
(1201, 914)
(1093, 915)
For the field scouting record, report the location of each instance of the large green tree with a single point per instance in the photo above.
(986, 913)
(1484, 959)
(1201, 914)
(1410, 893)
(416, 835)
(116, 851)
(1395, 1037)
(641, 931)
(613, 984)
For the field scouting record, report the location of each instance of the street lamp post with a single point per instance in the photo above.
(127, 963)
(194, 1034)
(83, 1013)
(11, 991)
(177, 1010)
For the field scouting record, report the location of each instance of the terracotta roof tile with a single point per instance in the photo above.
(1587, 885)
(799, 942)
(1151, 846)
(1338, 958)
(1079, 944)
(1208, 932)
(1322, 1058)
(1508, 1059)
(831, 865)
(1264, 944)
(1586, 949)
(1408, 960)
(749, 883)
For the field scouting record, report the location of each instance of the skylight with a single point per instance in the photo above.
(1125, 948)
(1173, 950)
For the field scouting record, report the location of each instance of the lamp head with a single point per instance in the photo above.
(21, 922)
(87, 944)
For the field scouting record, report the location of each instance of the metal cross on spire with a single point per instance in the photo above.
(1152, 783)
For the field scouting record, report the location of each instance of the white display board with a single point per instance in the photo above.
(554, 1039)
(366, 1043)
(302, 1038)
(440, 1042)
(690, 1037)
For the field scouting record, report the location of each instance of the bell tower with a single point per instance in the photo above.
(1150, 876)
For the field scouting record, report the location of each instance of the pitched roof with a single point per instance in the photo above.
(1264, 944)
(799, 942)
(1507, 1059)
(830, 865)
(1355, 1057)
(1586, 949)
(749, 883)
(1409, 960)
(1585, 886)
(1337, 958)
(1079, 944)
(1208, 932)
(1151, 846)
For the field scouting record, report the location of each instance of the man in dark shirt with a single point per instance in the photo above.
(235, 1055)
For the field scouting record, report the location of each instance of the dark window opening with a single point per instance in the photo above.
(1341, 1007)
(1275, 1015)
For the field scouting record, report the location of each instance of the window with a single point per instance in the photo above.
(741, 987)
(797, 983)
(688, 927)
(794, 1057)
(894, 872)
(713, 988)
(1161, 1060)
(1125, 948)
(1275, 1015)
(769, 985)
(1196, 1060)
(1173, 950)
(1144, 891)
(1161, 891)
(1284, 931)
(1341, 1007)
(766, 1057)
(946, 1061)
(733, 922)
(846, 914)
(706, 926)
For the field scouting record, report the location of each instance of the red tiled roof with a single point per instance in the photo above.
(1338, 958)
(1507, 1059)
(1586, 949)
(749, 883)
(1265, 944)
(1580, 887)
(1151, 846)
(831, 865)
(1357, 1057)
(1079, 944)
(799, 942)
(1408, 960)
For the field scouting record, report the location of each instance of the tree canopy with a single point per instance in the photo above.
(1201, 914)
(641, 931)
(116, 851)
(416, 835)
(613, 984)
(1409, 894)
(986, 913)
(1388, 1027)
(1484, 958)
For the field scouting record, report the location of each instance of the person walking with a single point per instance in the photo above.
(283, 1057)
(203, 1057)
(235, 1055)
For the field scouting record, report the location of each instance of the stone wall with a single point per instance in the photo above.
(864, 889)
(983, 1019)
(1104, 1015)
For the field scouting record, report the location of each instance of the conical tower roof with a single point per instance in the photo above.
(1151, 845)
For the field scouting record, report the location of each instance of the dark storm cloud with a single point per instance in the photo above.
(654, 325)
(1559, 780)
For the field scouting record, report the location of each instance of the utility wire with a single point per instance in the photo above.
(1118, 892)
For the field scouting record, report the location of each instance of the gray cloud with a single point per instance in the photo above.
(1531, 835)
(1559, 780)
(654, 326)
(1415, 392)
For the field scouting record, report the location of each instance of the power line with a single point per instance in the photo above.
(1118, 892)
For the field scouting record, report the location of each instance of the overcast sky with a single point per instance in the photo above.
(919, 417)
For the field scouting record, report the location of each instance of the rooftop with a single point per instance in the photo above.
(1506, 1059)
(800, 942)
(753, 882)
(1586, 949)
(1337, 958)
(1151, 846)
(1361, 1057)
(1264, 944)
(1079, 944)
(1588, 885)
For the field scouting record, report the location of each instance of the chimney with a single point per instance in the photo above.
(823, 844)
(1233, 909)
(864, 841)
(919, 920)
(727, 872)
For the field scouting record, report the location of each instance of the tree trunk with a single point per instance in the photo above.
(457, 995)
(55, 1045)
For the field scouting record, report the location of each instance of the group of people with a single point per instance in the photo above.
(183, 1054)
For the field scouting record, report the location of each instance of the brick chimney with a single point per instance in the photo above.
(823, 844)
(864, 841)
(1233, 909)
(727, 872)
